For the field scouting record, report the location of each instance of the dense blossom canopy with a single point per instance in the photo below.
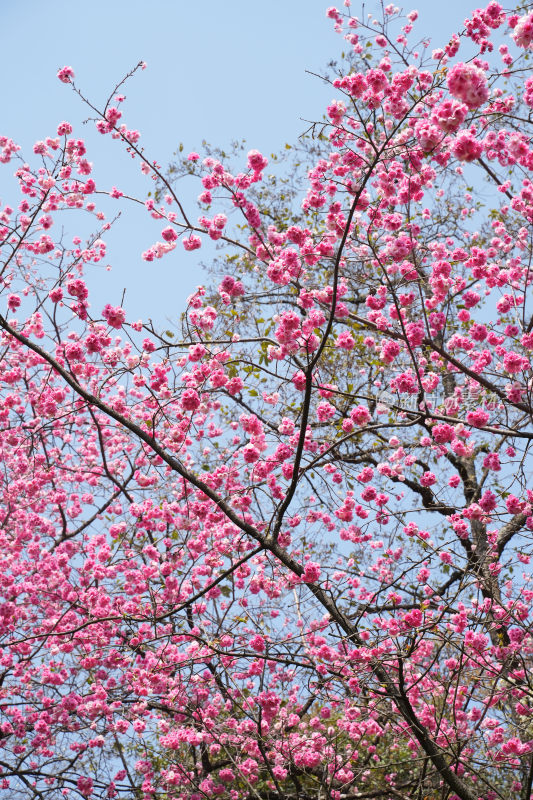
(285, 551)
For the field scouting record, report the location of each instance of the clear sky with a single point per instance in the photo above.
(216, 70)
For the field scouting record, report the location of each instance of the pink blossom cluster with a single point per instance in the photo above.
(523, 31)
(114, 315)
(227, 551)
(468, 83)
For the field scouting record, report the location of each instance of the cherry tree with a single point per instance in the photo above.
(284, 550)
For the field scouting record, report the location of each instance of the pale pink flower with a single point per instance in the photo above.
(523, 32)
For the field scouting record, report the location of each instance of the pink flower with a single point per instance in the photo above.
(443, 433)
(299, 380)
(514, 505)
(415, 333)
(192, 243)
(488, 501)
(325, 411)
(514, 362)
(250, 453)
(190, 400)
(470, 299)
(327, 390)
(66, 74)
(523, 32)
(492, 461)
(231, 286)
(389, 350)
(477, 418)
(234, 385)
(466, 147)
(336, 111)
(169, 234)
(85, 785)
(78, 288)
(449, 115)
(256, 161)
(311, 572)
(113, 115)
(366, 474)
(286, 426)
(345, 340)
(360, 415)
(115, 315)
(205, 319)
(453, 46)
(218, 378)
(258, 644)
(423, 575)
(64, 128)
(428, 136)
(333, 13)
(280, 772)
(56, 295)
(428, 479)
(13, 302)
(413, 618)
(528, 93)
(469, 84)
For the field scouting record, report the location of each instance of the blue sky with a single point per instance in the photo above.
(216, 71)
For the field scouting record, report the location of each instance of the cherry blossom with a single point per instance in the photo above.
(282, 548)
